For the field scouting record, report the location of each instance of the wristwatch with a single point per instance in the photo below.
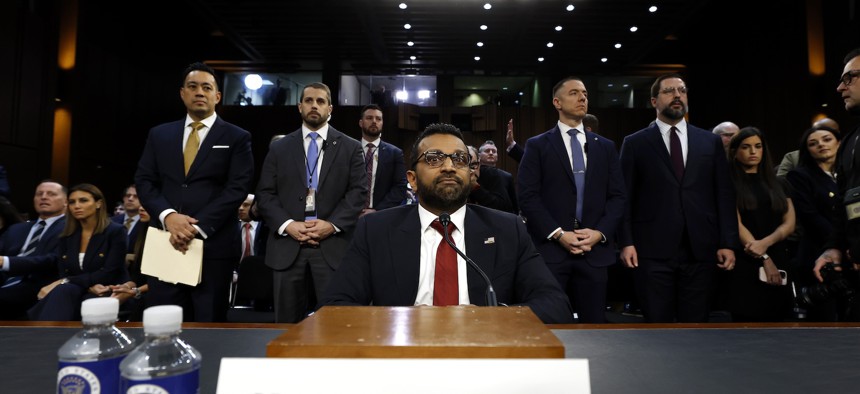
(560, 233)
(137, 293)
(764, 257)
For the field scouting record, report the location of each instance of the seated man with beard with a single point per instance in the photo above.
(397, 257)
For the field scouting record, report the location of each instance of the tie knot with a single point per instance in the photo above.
(370, 145)
(43, 223)
(572, 132)
(313, 135)
(248, 225)
(437, 225)
(674, 129)
(196, 126)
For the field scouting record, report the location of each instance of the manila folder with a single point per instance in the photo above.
(167, 264)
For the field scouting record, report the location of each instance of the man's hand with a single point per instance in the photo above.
(569, 241)
(830, 256)
(181, 228)
(298, 230)
(629, 256)
(587, 238)
(318, 230)
(726, 259)
(509, 136)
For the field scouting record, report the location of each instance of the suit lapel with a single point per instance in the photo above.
(295, 153)
(331, 148)
(93, 247)
(406, 257)
(557, 144)
(481, 252)
(656, 141)
(213, 135)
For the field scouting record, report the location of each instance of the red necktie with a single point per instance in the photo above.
(445, 285)
(246, 233)
(676, 153)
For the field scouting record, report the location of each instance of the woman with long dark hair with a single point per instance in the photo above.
(754, 290)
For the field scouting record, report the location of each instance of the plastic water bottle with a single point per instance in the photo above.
(89, 361)
(163, 363)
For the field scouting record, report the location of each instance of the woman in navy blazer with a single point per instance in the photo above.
(91, 251)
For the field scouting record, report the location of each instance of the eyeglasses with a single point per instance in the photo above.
(435, 159)
(681, 90)
(848, 77)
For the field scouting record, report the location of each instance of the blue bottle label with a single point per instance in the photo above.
(90, 377)
(187, 383)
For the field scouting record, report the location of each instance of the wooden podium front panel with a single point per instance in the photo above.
(419, 332)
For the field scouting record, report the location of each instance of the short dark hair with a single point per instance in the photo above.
(558, 84)
(435, 128)
(804, 158)
(851, 55)
(317, 85)
(367, 108)
(199, 66)
(655, 88)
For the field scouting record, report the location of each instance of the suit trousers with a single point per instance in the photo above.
(585, 287)
(16, 300)
(294, 286)
(676, 289)
(206, 302)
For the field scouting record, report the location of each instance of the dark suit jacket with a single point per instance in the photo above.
(381, 266)
(661, 208)
(217, 183)
(389, 187)
(517, 152)
(283, 186)
(132, 235)
(817, 206)
(261, 233)
(42, 271)
(493, 192)
(547, 193)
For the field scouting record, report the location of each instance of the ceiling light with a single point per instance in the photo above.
(626, 85)
(407, 26)
(633, 28)
(540, 59)
(483, 27)
(402, 95)
(504, 88)
(610, 85)
(480, 44)
(569, 7)
(558, 28)
(410, 43)
(521, 93)
(652, 8)
(402, 6)
(253, 81)
(477, 58)
(487, 6)
(603, 59)
(423, 94)
(549, 44)
(617, 45)
(412, 57)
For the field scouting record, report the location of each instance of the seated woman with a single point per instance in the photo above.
(815, 196)
(765, 219)
(91, 251)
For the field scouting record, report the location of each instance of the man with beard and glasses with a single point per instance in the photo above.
(386, 172)
(312, 187)
(398, 256)
(680, 224)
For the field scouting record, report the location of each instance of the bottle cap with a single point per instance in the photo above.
(99, 310)
(162, 319)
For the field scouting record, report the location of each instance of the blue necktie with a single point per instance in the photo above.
(27, 250)
(313, 157)
(578, 171)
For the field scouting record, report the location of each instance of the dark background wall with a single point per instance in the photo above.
(743, 62)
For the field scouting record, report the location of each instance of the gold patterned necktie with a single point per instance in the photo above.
(192, 145)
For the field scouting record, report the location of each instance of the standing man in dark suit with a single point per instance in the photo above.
(131, 217)
(193, 175)
(398, 256)
(571, 192)
(312, 188)
(20, 281)
(386, 172)
(681, 222)
(488, 154)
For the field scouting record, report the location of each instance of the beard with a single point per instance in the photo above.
(315, 123)
(373, 132)
(675, 114)
(445, 198)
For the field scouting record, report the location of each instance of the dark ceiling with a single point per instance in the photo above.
(368, 36)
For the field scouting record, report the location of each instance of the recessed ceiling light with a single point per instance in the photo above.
(558, 28)
(549, 45)
(402, 6)
(610, 85)
(652, 8)
(569, 7)
(626, 85)
(487, 6)
(540, 59)
(412, 57)
(480, 44)
(603, 59)
(483, 27)
(410, 43)
(477, 58)
(407, 26)
(521, 93)
(617, 45)
(504, 88)
(633, 28)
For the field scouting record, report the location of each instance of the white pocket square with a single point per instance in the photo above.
(220, 146)
(490, 240)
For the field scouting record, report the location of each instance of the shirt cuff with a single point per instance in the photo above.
(549, 237)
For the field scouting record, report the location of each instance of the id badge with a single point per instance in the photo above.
(311, 203)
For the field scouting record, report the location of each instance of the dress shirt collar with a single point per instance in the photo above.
(564, 127)
(323, 132)
(458, 217)
(665, 127)
(208, 122)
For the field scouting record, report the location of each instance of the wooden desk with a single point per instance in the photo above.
(419, 332)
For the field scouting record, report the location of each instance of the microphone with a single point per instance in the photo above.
(324, 144)
(585, 148)
(444, 219)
